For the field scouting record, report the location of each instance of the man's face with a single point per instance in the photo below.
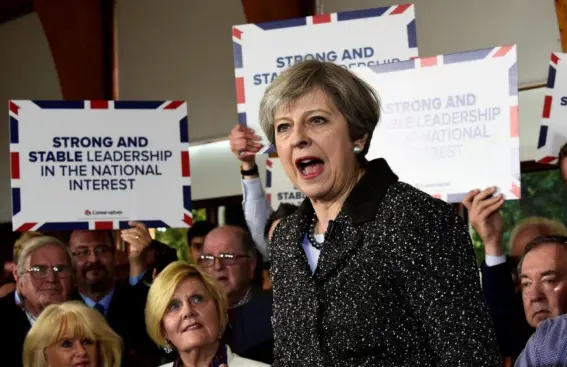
(563, 169)
(234, 277)
(94, 256)
(44, 286)
(195, 247)
(544, 283)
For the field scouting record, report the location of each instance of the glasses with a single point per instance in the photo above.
(224, 259)
(97, 251)
(41, 271)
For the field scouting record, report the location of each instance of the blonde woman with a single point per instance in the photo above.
(187, 311)
(69, 335)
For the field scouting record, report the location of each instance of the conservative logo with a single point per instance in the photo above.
(88, 213)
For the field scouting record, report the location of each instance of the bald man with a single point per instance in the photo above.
(229, 256)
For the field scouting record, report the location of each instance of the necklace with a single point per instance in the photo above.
(244, 299)
(311, 235)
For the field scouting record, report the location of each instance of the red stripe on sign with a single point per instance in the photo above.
(554, 58)
(547, 159)
(99, 105)
(514, 122)
(240, 98)
(400, 9)
(322, 18)
(15, 165)
(502, 51)
(269, 197)
(188, 220)
(14, 108)
(236, 32)
(516, 190)
(103, 226)
(413, 57)
(547, 106)
(269, 163)
(185, 165)
(173, 105)
(26, 227)
(428, 61)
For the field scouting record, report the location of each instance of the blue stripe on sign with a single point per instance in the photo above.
(60, 105)
(279, 24)
(466, 56)
(14, 131)
(551, 77)
(542, 136)
(242, 118)
(456, 198)
(184, 130)
(237, 52)
(16, 201)
(147, 223)
(271, 149)
(394, 66)
(63, 226)
(513, 79)
(268, 178)
(187, 197)
(137, 105)
(359, 14)
(412, 34)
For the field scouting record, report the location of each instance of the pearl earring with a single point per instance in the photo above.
(357, 149)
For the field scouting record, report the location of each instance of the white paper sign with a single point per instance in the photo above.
(279, 188)
(351, 39)
(99, 164)
(450, 123)
(553, 129)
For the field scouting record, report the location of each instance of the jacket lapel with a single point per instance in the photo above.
(343, 240)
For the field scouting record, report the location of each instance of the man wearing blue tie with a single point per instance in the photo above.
(122, 306)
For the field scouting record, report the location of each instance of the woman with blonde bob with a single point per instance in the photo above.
(187, 311)
(369, 271)
(71, 334)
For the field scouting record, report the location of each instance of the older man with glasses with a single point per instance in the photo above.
(44, 275)
(229, 256)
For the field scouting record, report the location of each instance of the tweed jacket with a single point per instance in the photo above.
(396, 284)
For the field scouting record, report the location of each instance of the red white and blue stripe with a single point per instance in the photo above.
(544, 130)
(269, 166)
(14, 111)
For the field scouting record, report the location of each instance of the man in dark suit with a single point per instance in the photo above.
(123, 306)
(228, 255)
(44, 276)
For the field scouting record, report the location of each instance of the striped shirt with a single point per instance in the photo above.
(547, 346)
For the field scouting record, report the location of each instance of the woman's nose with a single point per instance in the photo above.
(80, 349)
(299, 136)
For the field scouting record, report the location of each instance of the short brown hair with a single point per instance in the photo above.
(163, 288)
(357, 101)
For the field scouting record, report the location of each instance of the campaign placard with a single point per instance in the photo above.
(99, 164)
(553, 127)
(351, 39)
(450, 123)
(279, 189)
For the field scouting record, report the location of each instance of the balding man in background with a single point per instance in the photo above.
(229, 256)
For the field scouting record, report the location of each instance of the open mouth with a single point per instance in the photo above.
(310, 167)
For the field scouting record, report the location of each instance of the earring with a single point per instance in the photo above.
(168, 348)
(357, 149)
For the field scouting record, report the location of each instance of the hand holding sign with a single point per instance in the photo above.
(244, 143)
(138, 237)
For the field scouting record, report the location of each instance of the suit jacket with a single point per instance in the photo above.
(396, 284)
(506, 309)
(14, 326)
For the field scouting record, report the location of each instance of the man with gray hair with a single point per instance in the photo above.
(44, 276)
(229, 256)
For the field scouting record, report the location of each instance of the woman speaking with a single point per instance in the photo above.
(369, 271)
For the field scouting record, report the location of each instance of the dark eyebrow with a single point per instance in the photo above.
(549, 272)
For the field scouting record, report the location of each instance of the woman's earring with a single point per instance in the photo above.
(357, 149)
(168, 348)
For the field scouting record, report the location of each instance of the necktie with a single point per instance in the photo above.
(99, 308)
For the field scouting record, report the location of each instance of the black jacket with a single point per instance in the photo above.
(14, 326)
(396, 284)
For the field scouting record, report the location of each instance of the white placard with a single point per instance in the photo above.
(450, 123)
(99, 164)
(553, 127)
(351, 39)
(279, 188)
